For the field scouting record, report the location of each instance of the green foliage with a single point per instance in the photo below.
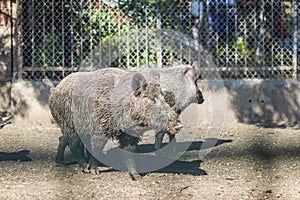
(88, 24)
(49, 52)
(100, 24)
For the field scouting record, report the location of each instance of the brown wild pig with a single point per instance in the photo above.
(179, 87)
(108, 103)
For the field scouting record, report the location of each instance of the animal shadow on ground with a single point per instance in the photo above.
(183, 167)
(15, 156)
(188, 162)
(176, 158)
(185, 146)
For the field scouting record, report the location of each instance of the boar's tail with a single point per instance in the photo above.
(48, 82)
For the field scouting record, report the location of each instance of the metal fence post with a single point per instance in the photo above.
(158, 35)
(294, 39)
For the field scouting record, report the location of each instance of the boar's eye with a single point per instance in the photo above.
(169, 98)
(152, 91)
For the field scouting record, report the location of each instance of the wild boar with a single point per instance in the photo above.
(108, 103)
(179, 87)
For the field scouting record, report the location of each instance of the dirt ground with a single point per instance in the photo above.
(248, 162)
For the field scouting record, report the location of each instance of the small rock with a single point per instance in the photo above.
(279, 195)
(230, 179)
(268, 191)
(155, 182)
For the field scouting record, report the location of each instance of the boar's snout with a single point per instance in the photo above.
(174, 128)
(199, 96)
(178, 125)
(174, 125)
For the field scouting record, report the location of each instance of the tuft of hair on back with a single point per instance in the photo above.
(47, 81)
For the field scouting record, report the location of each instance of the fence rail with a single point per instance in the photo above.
(231, 38)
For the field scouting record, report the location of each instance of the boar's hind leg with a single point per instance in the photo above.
(129, 144)
(77, 149)
(63, 142)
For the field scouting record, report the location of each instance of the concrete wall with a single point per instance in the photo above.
(5, 55)
(268, 103)
(30, 102)
(5, 71)
(5, 82)
(262, 102)
(5, 89)
(273, 102)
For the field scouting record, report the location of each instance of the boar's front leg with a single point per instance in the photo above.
(129, 144)
(95, 148)
(159, 138)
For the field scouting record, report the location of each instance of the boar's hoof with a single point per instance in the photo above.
(84, 167)
(135, 176)
(60, 163)
(86, 170)
(97, 170)
(94, 170)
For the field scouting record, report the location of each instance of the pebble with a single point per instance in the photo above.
(155, 182)
(268, 191)
(279, 195)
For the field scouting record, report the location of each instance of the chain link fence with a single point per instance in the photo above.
(232, 39)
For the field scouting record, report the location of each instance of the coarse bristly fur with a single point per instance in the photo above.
(179, 87)
(108, 103)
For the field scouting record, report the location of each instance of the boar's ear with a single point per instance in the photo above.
(155, 74)
(175, 63)
(193, 72)
(138, 83)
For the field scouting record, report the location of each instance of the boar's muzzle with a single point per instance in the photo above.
(199, 96)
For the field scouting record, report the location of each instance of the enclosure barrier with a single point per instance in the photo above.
(240, 40)
(233, 39)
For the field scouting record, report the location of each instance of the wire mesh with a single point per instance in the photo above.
(233, 39)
